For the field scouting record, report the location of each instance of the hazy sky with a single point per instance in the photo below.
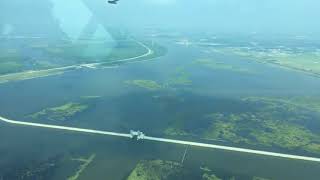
(222, 15)
(262, 16)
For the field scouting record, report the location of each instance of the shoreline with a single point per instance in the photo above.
(60, 70)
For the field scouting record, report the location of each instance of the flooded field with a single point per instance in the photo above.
(187, 94)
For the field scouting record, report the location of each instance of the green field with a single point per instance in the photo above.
(80, 52)
(32, 74)
(15, 67)
(10, 61)
(306, 61)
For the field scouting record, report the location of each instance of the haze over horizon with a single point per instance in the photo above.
(228, 16)
(272, 16)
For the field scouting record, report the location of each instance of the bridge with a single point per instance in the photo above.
(138, 135)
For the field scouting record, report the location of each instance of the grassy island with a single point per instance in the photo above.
(147, 84)
(59, 113)
(156, 170)
(179, 78)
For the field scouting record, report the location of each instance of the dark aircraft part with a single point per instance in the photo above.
(113, 1)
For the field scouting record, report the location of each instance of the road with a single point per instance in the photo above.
(48, 126)
(164, 140)
(235, 149)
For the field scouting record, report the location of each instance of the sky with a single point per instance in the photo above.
(231, 16)
(223, 15)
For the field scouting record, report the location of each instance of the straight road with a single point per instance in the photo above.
(164, 140)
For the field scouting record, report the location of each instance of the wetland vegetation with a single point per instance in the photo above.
(150, 89)
(59, 113)
(156, 170)
(45, 169)
(179, 78)
(289, 124)
(169, 170)
(147, 84)
(220, 65)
